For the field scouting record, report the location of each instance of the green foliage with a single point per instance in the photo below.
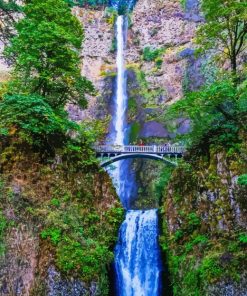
(143, 89)
(78, 153)
(193, 220)
(242, 180)
(113, 45)
(111, 16)
(45, 53)
(81, 235)
(225, 27)
(210, 269)
(9, 5)
(243, 238)
(155, 55)
(87, 2)
(132, 108)
(178, 234)
(134, 132)
(3, 226)
(163, 181)
(7, 11)
(200, 240)
(183, 3)
(55, 202)
(33, 120)
(215, 115)
(53, 233)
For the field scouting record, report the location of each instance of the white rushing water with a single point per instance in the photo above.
(120, 102)
(137, 254)
(121, 84)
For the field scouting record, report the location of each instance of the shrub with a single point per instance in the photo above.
(242, 180)
(150, 54)
(30, 119)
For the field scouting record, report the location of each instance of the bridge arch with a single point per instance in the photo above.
(111, 160)
(166, 153)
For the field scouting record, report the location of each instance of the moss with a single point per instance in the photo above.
(78, 223)
(132, 108)
(108, 74)
(200, 253)
(111, 15)
(183, 4)
(150, 54)
(134, 132)
(3, 227)
(143, 89)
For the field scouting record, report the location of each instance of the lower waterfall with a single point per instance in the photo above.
(137, 255)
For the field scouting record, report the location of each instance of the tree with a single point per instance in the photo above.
(217, 113)
(30, 119)
(7, 19)
(45, 53)
(87, 2)
(225, 28)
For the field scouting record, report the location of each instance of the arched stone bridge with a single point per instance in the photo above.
(112, 153)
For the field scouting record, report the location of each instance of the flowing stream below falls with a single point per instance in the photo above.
(137, 253)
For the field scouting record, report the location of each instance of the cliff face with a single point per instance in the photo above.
(159, 58)
(204, 222)
(160, 66)
(58, 228)
(98, 60)
(162, 25)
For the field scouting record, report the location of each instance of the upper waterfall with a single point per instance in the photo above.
(121, 90)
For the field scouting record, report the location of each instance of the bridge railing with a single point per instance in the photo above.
(166, 148)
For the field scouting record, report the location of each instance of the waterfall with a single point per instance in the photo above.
(121, 101)
(137, 255)
(124, 183)
(121, 84)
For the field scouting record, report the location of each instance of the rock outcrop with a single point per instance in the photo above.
(204, 223)
(54, 223)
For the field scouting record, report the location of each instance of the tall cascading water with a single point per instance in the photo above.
(119, 132)
(137, 254)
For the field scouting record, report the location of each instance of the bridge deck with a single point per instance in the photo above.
(151, 149)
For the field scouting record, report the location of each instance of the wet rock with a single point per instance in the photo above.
(186, 53)
(58, 286)
(153, 129)
(184, 126)
(229, 288)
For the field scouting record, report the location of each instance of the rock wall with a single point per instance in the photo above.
(98, 60)
(164, 27)
(204, 226)
(158, 25)
(52, 218)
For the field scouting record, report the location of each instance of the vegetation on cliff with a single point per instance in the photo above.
(50, 178)
(204, 208)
